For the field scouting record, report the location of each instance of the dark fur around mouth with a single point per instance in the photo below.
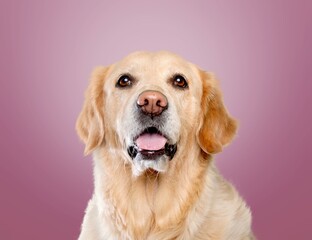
(169, 150)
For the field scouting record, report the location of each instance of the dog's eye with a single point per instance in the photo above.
(179, 81)
(124, 81)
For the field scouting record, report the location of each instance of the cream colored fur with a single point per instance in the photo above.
(186, 198)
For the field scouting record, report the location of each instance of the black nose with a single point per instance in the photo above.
(152, 103)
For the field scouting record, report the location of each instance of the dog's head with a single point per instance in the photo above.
(152, 108)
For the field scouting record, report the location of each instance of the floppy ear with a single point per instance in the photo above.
(90, 123)
(217, 127)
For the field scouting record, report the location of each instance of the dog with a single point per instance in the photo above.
(153, 122)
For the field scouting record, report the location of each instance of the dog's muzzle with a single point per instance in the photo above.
(151, 142)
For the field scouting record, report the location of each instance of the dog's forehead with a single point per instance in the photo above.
(153, 62)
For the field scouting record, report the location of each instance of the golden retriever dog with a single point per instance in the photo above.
(153, 123)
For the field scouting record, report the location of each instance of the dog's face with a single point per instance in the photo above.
(151, 108)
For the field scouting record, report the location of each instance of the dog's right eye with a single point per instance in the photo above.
(124, 81)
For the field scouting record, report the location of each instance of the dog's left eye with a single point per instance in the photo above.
(124, 81)
(179, 81)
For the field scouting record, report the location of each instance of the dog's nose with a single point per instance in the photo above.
(152, 103)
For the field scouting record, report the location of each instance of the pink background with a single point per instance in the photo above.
(261, 51)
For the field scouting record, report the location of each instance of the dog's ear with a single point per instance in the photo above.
(217, 127)
(90, 123)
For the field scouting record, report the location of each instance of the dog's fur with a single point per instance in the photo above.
(183, 198)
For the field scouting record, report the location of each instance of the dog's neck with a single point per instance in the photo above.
(152, 201)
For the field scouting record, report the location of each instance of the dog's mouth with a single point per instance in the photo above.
(150, 144)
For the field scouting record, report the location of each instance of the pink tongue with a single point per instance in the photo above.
(149, 141)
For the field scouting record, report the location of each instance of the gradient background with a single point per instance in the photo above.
(261, 51)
